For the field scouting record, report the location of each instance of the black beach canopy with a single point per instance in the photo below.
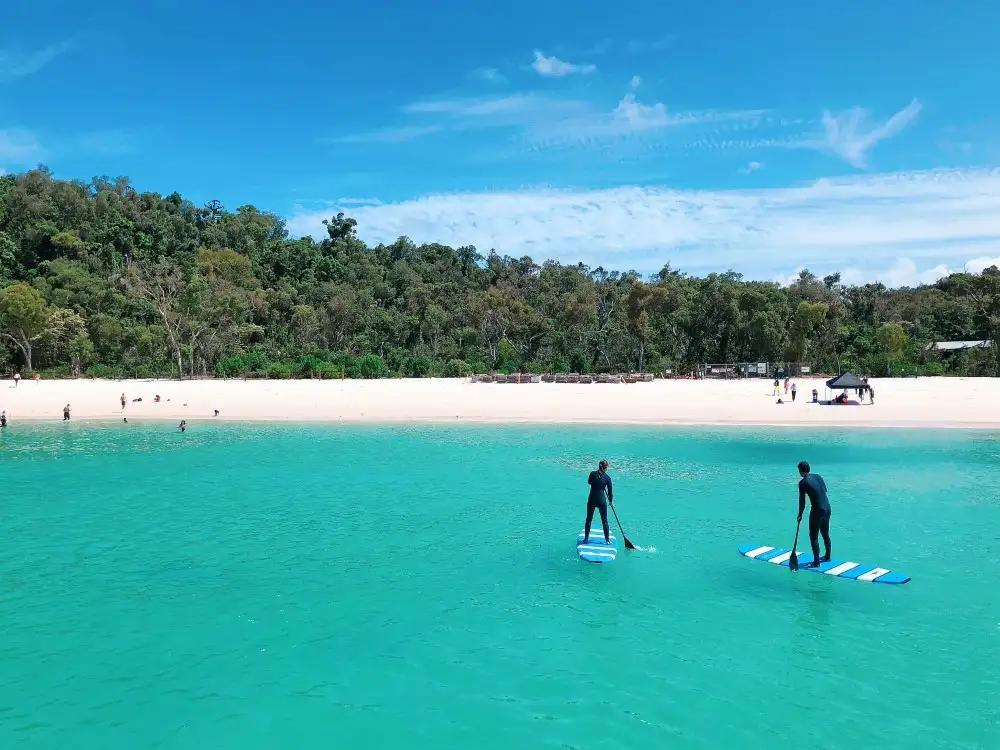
(846, 381)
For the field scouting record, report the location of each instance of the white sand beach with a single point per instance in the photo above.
(911, 402)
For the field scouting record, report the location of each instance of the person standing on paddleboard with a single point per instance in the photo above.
(600, 495)
(819, 511)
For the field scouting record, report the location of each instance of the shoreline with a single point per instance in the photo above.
(911, 403)
(499, 421)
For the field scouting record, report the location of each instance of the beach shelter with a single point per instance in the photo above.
(847, 381)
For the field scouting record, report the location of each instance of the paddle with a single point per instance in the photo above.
(793, 561)
(628, 544)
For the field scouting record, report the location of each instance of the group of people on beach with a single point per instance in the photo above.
(810, 485)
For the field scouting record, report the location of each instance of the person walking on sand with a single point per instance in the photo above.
(123, 402)
(601, 494)
(66, 410)
(793, 392)
(813, 486)
(17, 378)
(787, 380)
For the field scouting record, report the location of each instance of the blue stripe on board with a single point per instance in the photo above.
(835, 568)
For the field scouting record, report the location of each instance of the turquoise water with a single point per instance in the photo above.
(274, 586)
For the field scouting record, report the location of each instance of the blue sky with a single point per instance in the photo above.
(861, 137)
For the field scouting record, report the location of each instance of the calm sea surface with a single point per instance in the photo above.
(241, 586)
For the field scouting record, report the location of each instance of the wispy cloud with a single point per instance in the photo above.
(387, 135)
(602, 47)
(629, 118)
(554, 67)
(866, 224)
(638, 46)
(19, 146)
(544, 122)
(751, 167)
(484, 106)
(114, 142)
(851, 135)
(470, 113)
(17, 64)
(493, 75)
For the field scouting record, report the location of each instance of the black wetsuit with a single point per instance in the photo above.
(819, 511)
(600, 494)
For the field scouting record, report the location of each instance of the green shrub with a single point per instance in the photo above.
(456, 368)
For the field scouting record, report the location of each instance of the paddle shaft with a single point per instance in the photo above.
(628, 544)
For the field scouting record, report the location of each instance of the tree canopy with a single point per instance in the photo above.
(101, 280)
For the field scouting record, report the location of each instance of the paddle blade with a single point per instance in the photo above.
(628, 544)
(793, 561)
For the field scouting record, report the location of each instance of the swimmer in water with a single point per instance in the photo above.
(183, 425)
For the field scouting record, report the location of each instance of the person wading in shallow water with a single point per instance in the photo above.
(601, 494)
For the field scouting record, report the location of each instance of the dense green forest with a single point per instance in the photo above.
(98, 279)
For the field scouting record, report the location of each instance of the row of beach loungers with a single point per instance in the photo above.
(563, 378)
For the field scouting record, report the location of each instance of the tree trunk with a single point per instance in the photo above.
(171, 334)
(25, 347)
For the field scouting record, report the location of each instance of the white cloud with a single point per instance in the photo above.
(634, 83)
(553, 66)
(902, 273)
(16, 64)
(850, 135)
(865, 224)
(751, 167)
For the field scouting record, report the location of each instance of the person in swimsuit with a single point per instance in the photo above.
(819, 511)
(600, 495)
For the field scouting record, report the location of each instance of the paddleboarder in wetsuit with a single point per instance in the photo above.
(600, 495)
(819, 511)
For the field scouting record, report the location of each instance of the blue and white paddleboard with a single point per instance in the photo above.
(836, 568)
(596, 550)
